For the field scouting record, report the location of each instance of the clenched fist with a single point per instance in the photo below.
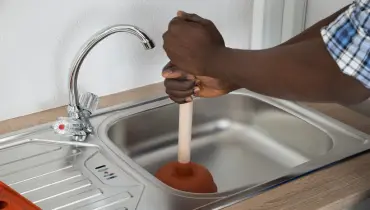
(192, 43)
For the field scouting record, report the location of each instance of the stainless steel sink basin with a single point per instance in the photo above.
(249, 142)
(240, 139)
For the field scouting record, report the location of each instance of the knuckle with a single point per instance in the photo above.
(173, 23)
(165, 47)
(189, 85)
(188, 93)
(185, 85)
(182, 94)
(165, 83)
(208, 22)
(177, 100)
(180, 101)
(164, 35)
(169, 83)
(193, 16)
(168, 91)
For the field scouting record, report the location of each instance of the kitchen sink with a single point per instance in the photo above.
(240, 139)
(250, 143)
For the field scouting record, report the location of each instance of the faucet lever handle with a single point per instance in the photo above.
(69, 127)
(89, 102)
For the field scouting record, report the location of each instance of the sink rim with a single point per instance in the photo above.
(324, 123)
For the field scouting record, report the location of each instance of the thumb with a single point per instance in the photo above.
(171, 71)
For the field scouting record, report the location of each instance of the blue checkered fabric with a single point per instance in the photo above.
(348, 41)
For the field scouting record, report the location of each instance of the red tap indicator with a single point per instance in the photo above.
(11, 200)
(61, 127)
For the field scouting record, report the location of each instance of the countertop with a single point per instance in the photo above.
(341, 186)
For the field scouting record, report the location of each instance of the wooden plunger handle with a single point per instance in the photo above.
(185, 125)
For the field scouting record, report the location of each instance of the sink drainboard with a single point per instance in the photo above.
(64, 176)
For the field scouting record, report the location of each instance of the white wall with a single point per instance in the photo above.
(319, 9)
(39, 38)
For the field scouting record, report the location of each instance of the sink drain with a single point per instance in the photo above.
(3, 204)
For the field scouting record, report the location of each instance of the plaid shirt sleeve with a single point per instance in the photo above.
(348, 41)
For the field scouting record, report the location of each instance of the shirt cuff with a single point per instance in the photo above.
(348, 44)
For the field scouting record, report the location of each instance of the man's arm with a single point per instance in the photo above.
(332, 67)
(336, 70)
(314, 30)
(303, 72)
(175, 83)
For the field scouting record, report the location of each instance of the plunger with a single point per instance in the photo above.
(183, 174)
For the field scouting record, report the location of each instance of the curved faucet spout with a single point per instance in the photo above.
(79, 110)
(89, 45)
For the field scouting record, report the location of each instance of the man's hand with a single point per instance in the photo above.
(192, 43)
(181, 86)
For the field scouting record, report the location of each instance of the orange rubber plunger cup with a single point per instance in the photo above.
(183, 174)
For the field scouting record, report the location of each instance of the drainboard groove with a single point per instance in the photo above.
(36, 161)
(71, 201)
(51, 184)
(59, 191)
(41, 175)
(13, 154)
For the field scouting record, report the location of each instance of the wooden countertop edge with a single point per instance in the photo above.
(50, 115)
(334, 188)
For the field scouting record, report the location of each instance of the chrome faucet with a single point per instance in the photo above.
(80, 108)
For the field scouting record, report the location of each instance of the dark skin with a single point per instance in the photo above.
(300, 69)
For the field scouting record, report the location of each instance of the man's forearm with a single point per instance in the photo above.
(311, 32)
(314, 30)
(303, 71)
